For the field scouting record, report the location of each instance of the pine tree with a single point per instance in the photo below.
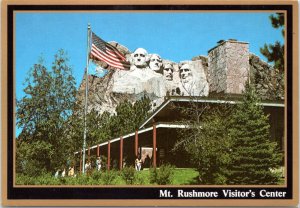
(253, 155)
(275, 53)
(129, 116)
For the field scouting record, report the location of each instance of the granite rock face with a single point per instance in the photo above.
(138, 81)
(269, 82)
(226, 69)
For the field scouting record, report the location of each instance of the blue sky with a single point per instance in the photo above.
(175, 36)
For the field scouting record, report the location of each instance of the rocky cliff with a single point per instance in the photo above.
(225, 70)
(268, 81)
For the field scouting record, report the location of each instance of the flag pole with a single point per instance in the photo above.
(86, 96)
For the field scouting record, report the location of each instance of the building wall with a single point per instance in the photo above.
(228, 67)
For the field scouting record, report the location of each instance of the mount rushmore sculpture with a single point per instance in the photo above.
(225, 69)
(151, 74)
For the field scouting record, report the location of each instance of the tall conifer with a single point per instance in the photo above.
(253, 155)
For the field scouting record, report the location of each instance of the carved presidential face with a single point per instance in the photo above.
(185, 73)
(139, 57)
(155, 62)
(168, 72)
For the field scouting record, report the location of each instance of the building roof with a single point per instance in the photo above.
(140, 131)
(166, 108)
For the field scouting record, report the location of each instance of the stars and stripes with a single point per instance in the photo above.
(103, 51)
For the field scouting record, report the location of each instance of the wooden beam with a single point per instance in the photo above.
(136, 143)
(154, 145)
(121, 153)
(98, 150)
(80, 163)
(108, 155)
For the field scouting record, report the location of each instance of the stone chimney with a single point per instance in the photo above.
(228, 66)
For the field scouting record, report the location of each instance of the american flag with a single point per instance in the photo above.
(103, 51)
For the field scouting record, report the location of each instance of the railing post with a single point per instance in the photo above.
(80, 163)
(154, 145)
(108, 155)
(121, 153)
(98, 150)
(136, 143)
(89, 154)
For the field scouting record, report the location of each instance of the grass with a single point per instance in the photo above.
(185, 176)
(181, 176)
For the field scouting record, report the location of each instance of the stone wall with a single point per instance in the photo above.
(228, 67)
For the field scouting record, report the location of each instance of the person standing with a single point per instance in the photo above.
(71, 171)
(98, 163)
(57, 173)
(138, 164)
(63, 174)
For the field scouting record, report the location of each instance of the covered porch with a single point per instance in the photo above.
(154, 143)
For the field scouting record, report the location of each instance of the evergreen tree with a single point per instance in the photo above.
(99, 127)
(275, 53)
(141, 110)
(129, 116)
(124, 120)
(43, 114)
(253, 155)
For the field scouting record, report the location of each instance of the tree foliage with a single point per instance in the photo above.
(42, 114)
(106, 126)
(275, 52)
(253, 155)
(206, 141)
(129, 116)
(230, 144)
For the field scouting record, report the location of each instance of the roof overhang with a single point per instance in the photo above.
(205, 100)
(158, 125)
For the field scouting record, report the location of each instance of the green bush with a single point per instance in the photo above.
(109, 177)
(162, 175)
(139, 180)
(129, 175)
(24, 180)
(47, 179)
(96, 176)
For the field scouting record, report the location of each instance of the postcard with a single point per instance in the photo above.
(150, 103)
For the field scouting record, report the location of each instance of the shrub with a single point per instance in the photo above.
(162, 175)
(24, 180)
(139, 180)
(47, 179)
(96, 176)
(109, 177)
(129, 175)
